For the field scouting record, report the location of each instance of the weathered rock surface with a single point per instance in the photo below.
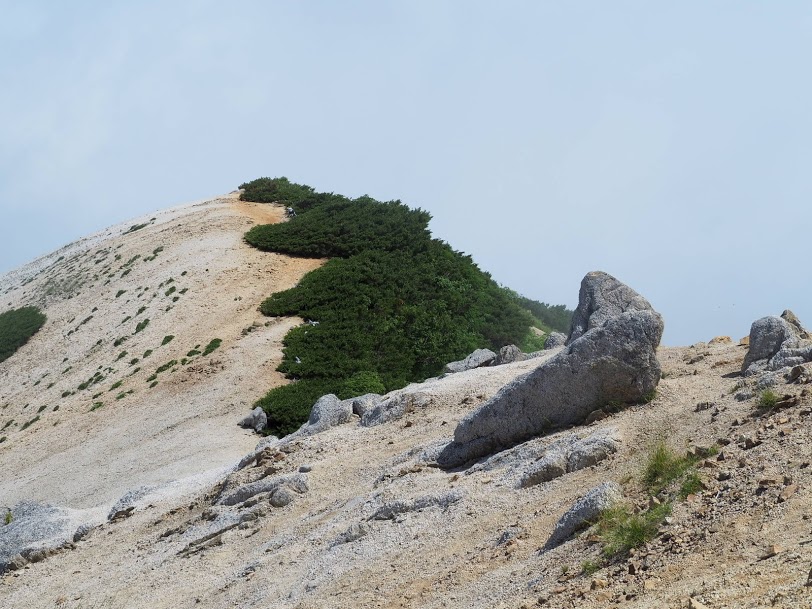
(555, 339)
(584, 511)
(389, 510)
(616, 361)
(294, 482)
(35, 530)
(571, 454)
(394, 407)
(507, 355)
(601, 298)
(327, 412)
(256, 420)
(364, 403)
(792, 319)
(776, 343)
(480, 357)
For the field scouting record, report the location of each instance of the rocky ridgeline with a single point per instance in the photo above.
(543, 428)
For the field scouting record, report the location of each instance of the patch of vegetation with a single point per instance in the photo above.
(41, 408)
(170, 291)
(135, 227)
(767, 399)
(116, 385)
(8, 424)
(134, 361)
(120, 292)
(166, 366)
(532, 342)
(167, 340)
(126, 319)
(119, 340)
(153, 384)
(96, 406)
(213, 344)
(9, 518)
(17, 326)
(140, 310)
(361, 383)
(663, 467)
(589, 567)
(3, 439)
(192, 353)
(622, 530)
(28, 424)
(124, 394)
(141, 325)
(121, 355)
(392, 301)
(147, 353)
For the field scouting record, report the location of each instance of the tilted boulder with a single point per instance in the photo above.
(775, 343)
(584, 511)
(615, 362)
(555, 340)
(480, 357)
(256, 420)
(395, 407)
(601, 298)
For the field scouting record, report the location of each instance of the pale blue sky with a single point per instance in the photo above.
(669, 144)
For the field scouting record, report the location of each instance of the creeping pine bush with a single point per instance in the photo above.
(392, 306)
(16, 327)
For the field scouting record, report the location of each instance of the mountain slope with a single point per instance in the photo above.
(184, 425)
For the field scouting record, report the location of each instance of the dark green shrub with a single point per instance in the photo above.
(17, 326)
(167, 340)
(213, 344)
(361, 383)
(392, 302)
(141, 325)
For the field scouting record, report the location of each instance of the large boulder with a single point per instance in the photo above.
(256, 420)
(480, 357)
(507, 355)
(614, 362)
(601, 298)
(776, 343)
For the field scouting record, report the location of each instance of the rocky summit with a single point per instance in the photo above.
(605, 470)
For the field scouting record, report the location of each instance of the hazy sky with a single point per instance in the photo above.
(669, 143)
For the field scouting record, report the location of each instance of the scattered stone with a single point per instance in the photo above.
(787, 492)
(122, 514)
(585, 510)
(616, 362)
(480, 357)
(649, 585)
(601, 298)
(695, 604)
(773, 550)
(595, 416)
(355, 532)
(256, 420)
(720, 340)
(598, 583)
(555, 340)
(570, 455)
(305, 468)
(282, 496)
(552, 465)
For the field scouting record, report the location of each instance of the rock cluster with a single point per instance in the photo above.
(776, 343)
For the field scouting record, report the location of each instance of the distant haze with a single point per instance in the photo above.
(668, 144)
